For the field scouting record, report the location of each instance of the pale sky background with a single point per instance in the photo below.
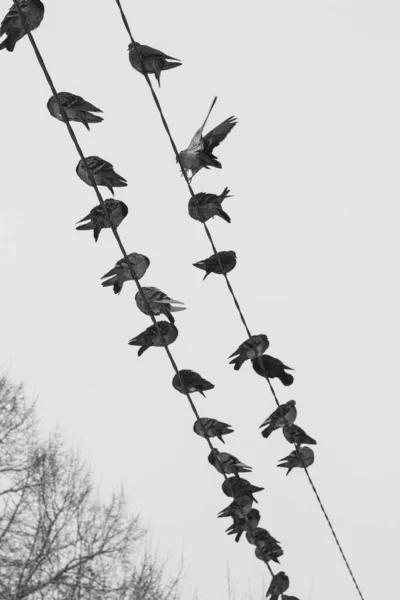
(313, 165)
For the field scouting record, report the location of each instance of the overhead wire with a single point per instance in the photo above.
(232, 292)
(120, 244)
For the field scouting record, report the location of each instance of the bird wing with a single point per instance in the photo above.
(219, 133)
(196, 140)
(147, 51)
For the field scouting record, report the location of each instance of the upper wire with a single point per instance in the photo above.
(231, 290)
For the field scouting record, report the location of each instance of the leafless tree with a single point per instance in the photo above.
(58, 541)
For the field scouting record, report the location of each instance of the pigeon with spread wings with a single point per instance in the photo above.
(199, 153)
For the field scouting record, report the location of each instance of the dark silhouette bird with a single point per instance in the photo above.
(256, 345)
(302, 457)
(199, 153)
(121, 272)
(235, 486)
(213, 428)
(240, 524)
(267, 553)
(151, 337)
(153, 61)
(268, 547)
(97, 217)
(192, 381)
(285, 414)
(102, 171)
(279, 584)
(219, 263)
(204, 206)
(160, 303)
(75, 107)
(296, 435)
(227, 463)
(273, 367)
(12, 27)
(240, 507)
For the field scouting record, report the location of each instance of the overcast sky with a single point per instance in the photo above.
(313, 168)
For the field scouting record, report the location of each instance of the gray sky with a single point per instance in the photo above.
(313, 166)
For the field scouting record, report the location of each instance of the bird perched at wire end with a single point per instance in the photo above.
(285, 414)
(97, 217)
(151, 337)
(153, 61)
(227, 463)
(121, 272)
(212, 427)
(279, 584)
(75, 107)
(204, 206)
(255, 346)
(239, 525)
(273, 367)
(192, 381)
(302, 457)
(219, 263)
(296, 435)
(12, 27)
(199, 153)
(160, 303)
(102, 171)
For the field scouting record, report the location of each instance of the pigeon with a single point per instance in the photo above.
(261, 537)
(151, 337)
(76, 109)
(302, 458)
(199, 153)
(160, 303)
(225, 259)
(296, 435)
(121, 272)
(213, 428)
(273, 367)
(241, 524)
(204, 206)
(267, 553)
(240, 507)
(153, 61)
(256, 345)
(285, 414)
(97, 217)
(279, 584)
(192, 381)
(227, 463)
(102, 171)
(234, 486)
(11, 26)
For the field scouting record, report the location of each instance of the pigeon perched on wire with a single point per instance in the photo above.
(199, 153)
(192, 381)
(273, 367)
(102, 171)
(213, 428)
(285, 414)
(121, 272)
(153, 61)
(12, 27)
(227, 463)
(240, 507)
(302, 457)
(296, 435)
(97, 217)
(279, 584)
(159, 303)
(234, 486)
(75, 107)
(267, 553)
(240, 526)
(256, 345)
(212, 264)
(204, 206)
(268, 547)
(151, 337)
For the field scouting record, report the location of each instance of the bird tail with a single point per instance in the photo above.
(96, 230)
(115, 282)
(8, 44)
(237, 362)
(225, 194)
(145, 347)
(267, 432)
(224, 215)
(286, 378)
(238, 536)
(85, 226)
(87, 118)
(171, 65)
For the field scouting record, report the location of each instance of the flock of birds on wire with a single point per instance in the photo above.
(202, 206)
